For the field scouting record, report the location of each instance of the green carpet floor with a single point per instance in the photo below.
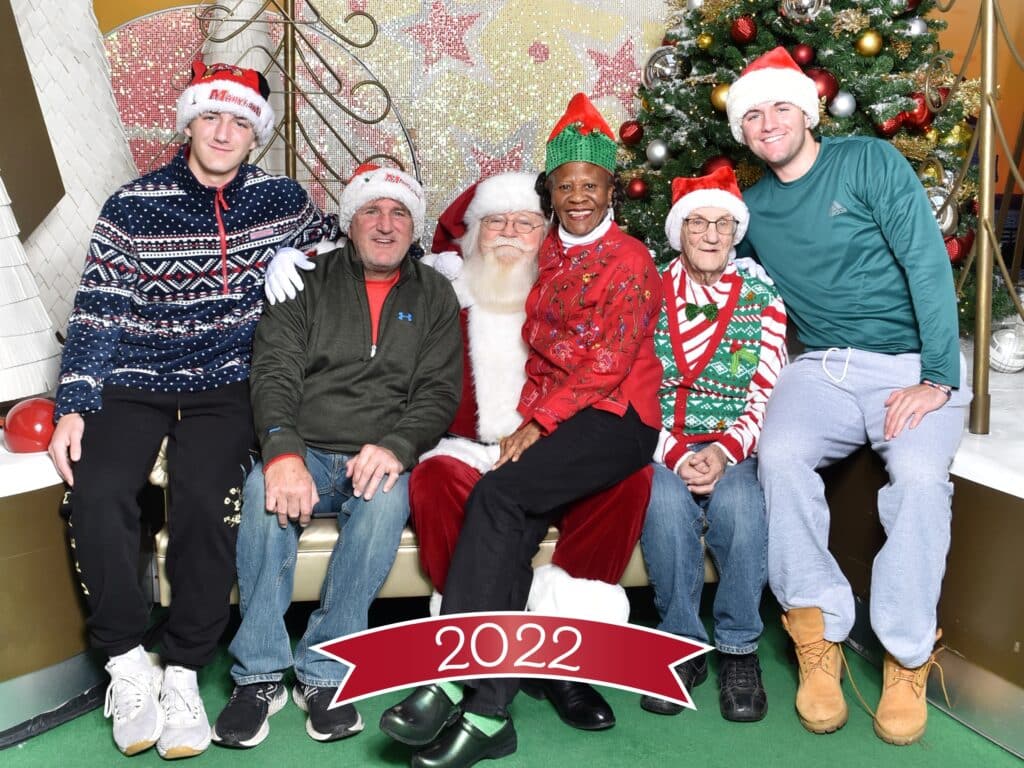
(701, 738)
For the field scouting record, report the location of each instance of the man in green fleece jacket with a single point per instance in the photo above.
(351, 381)
(847, 233)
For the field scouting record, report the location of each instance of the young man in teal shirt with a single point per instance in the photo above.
(846, 232)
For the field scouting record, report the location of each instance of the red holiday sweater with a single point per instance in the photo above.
(590, 322)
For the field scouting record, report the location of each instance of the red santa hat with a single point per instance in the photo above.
(227, 88)
(716, 190)
(773, 76)
(371, 182)
(581, 135)
(503, 193)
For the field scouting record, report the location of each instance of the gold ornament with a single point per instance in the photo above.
(705, 41)
(902, 48)
(869, 43)
(718, 95)
(645, 104)
(960, 134)
(932, 136)
(851, 20)
(914, 148)
(713, 10)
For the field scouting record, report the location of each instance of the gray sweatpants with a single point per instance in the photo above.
(825, 406)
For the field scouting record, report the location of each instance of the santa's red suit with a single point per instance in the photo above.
(597, 534)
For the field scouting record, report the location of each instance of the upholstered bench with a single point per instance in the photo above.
(406, 578)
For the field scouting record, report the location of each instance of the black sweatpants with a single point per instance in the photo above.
(509, 512)
(210, 435)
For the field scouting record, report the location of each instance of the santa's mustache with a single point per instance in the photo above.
(511, 242)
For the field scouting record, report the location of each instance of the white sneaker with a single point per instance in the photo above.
(186, 728)
(133, 701)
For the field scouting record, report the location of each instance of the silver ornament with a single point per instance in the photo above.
(657, 153)
(802, 11)
(843, 105)
(692, 5)
(917, 26)
(663, 65)
(948, 217)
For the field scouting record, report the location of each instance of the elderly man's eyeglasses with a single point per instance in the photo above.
(698, 226)
(520, 224)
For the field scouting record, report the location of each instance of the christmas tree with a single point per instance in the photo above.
(879, 72)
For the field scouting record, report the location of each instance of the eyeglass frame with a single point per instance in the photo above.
(689, 221)
(494, 218)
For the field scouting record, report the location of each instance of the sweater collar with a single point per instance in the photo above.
(570, 240)
(188, 181)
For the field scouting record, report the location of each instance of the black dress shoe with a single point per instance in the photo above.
(692, 673)
(464, 745)
(420, 717)
(578, 704)
(741, 694)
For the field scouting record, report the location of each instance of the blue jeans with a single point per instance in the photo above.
(734, 525)
(369, 533)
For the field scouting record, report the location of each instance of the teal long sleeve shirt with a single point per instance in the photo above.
(855, 251)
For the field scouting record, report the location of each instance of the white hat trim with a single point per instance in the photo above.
(383, 183)
(219, 95)
(503, 193)
(705, 198)
(772, 84)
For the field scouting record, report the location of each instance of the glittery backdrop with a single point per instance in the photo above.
(475, 86)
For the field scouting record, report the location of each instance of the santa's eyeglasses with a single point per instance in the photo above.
(521, 225)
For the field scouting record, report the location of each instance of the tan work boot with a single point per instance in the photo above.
(903, 710)
(819, 699)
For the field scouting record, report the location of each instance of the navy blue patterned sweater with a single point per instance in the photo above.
(173, 281)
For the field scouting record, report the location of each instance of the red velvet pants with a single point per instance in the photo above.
(596, 538)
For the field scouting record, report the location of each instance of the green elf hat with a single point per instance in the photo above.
(582, 135)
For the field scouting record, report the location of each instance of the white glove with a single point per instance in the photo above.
(448, 263)
(754, 269)
(283, 281)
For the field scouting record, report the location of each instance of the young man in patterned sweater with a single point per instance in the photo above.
(721, 340)
(159, 343)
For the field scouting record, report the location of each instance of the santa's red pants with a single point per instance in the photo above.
(596, 538)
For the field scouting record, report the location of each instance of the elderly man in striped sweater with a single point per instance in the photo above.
(721, 339)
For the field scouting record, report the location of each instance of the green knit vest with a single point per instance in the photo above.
(718, 395)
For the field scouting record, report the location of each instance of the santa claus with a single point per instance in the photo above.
(498, 226)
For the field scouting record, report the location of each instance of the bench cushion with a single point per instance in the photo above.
(406, 578)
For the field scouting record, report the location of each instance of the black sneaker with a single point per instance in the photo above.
(741, 696)
(325, 724)
(243, 721)
(692, 673)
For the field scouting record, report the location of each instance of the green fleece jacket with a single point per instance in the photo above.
(316, 380)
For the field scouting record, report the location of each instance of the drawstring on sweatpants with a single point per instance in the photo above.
(846, 364)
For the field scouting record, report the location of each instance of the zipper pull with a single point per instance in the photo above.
(373, 350)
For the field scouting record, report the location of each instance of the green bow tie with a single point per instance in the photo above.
(710, 311)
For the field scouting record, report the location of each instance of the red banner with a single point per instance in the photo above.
(512, 644)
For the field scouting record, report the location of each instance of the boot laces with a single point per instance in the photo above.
(738, 674)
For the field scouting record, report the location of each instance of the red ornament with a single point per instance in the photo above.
(636, 189)
(910, 5)
(29, 425)
(920, 117)
(889, 127)
(959, 247)
(716, 162)
(631, 132)
(743, 30)
(826, 82)
(802, 54)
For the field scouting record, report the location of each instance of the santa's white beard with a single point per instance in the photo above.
(500, 284)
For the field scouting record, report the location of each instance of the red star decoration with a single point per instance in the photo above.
(442, 35)
(617, 76)
(491, 165)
